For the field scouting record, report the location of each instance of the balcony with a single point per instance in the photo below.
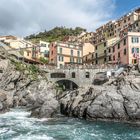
(102, 55)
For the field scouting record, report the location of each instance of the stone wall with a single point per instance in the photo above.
(80, 75)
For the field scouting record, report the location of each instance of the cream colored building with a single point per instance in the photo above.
(65, 53)
(44, 49)
(88, 48)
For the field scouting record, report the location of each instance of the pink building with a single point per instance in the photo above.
(126, 50)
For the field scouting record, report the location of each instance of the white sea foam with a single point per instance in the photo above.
(33, 137)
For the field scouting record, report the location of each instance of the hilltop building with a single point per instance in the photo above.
(27, 49)
(44, 49)
(107, 36)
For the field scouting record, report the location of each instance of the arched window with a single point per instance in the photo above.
(58, 75)
(87, 75)
(73, 75)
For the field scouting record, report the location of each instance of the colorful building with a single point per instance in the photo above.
(26, 48)
(44, 49)
(126, 50)
(65, 53)
(101, 53)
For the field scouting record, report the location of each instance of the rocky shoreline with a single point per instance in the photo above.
(118, 99)
(26, 86)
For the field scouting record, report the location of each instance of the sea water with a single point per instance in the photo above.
(17, 125)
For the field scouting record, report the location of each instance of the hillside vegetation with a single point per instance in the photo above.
(56, 34)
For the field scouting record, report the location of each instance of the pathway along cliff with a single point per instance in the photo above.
(26, 86)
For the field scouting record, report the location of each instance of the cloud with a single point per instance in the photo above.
(23, 17)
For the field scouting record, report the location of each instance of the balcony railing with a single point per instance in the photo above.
(102, 55)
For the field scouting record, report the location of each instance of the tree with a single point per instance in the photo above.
(43, 60)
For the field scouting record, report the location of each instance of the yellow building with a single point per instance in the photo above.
(101, 53)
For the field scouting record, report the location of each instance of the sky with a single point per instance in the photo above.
(25, 17)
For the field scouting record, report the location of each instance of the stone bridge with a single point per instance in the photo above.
(73, 78)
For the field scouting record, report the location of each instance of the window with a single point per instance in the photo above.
(71, 59)
(137, 50)
(61, 58)
(43, 45)
(105, 44)
(96, 48)
(128, 18)
(96, 61)
(73, 75)
(124, 21)
(135, 61)
(118, 45)
(109, 58)
(52, 52)
(124, 52)
(105, 59)
(92, 56)
(133, 50)
(114, 57)
(124, 42)
(79, 60)
(109, 50)
(86, 58)
(78, 53)
(118, 54)
(28, 53)
(113, 48)
(96, 55)
(61, 66)
(87, 75)
(72, 52)
(135, 39)
(60, 50)
(104, 51)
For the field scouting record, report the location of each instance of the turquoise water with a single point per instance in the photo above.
(15, 125)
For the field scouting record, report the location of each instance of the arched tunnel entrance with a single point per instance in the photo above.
(67, 85)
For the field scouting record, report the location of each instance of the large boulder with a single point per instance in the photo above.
(45, 102)
(49, 109)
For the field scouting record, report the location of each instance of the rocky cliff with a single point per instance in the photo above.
(25, 85)
(118, 99)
